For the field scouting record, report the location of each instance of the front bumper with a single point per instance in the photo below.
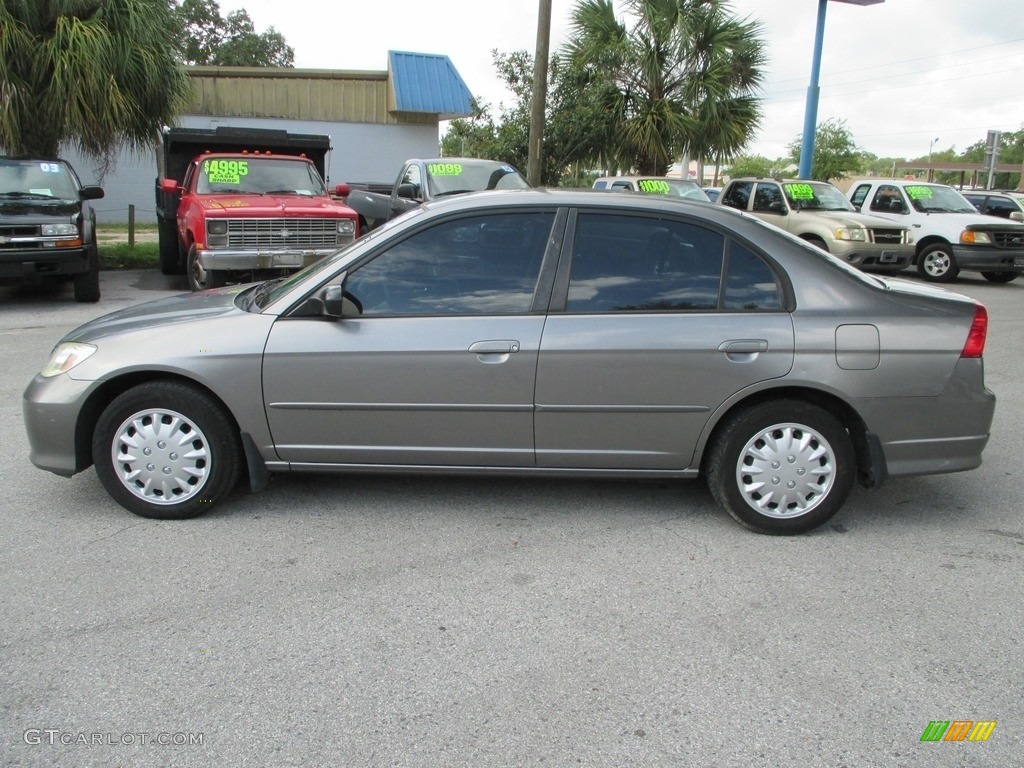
(284, 258)
(51, 408)
(26, 263)
(868, 256)
(989, 259)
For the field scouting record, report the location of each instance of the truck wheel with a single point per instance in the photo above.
(87, 284)
(171, 262)
(937, 264)
(200, 279)
(999, 277)
(781, 467)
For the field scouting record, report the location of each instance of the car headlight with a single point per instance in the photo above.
(53, 230)
(215, 227)
(851, 233)
(346, 227)
(65, 357)
(967, 237)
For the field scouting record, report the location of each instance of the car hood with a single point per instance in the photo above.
(201, 307)
(245, 206)
(14, 209)
(857, 219)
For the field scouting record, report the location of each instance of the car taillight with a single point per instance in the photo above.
(975, 344)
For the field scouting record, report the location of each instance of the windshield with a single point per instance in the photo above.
(458, 176)
(935, 198)
(810, 196)
(36, 178)
(258, 176)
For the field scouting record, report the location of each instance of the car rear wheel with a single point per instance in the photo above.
(938, 264)
(200, 279)
(781, 467)
(167, 451)
(999, 277)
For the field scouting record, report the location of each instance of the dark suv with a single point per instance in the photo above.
(993, 202)
(47, 226)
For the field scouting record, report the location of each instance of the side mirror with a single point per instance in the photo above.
(340, 303)
(91, 193)
(342, 190)
(169, 185)
(408, 191)
(1017, 216)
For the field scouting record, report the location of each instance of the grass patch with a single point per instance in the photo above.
(124, 256)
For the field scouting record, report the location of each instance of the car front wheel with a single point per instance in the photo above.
(166, 450)
(781, 467)
(937, 264)
(999, 277)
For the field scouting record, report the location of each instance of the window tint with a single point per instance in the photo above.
(737, 195)
(768, 198)
(857, 198)
(887, 199)
(635, 264)
(998, 206)
(477, 265)
(750, 283)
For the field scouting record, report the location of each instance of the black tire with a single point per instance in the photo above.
(999, 277)
(195, 481)
(200, 279)
(171, 261)
(815, 241)
(812, 444)
(87, 284)
(937, 264)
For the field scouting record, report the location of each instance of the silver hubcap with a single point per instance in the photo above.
(198, 273)
(785, 471)
(936, 263)
(161, 456)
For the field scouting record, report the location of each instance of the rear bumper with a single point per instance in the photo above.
(285, 258)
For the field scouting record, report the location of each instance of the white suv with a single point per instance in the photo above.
(949, 233)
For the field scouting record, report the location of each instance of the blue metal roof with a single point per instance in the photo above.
(429, 83)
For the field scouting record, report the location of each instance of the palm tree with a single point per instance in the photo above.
(99, 73)
(682, 77)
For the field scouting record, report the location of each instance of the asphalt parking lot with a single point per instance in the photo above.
(372, 621)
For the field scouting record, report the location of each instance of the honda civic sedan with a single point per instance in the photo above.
(532, 332)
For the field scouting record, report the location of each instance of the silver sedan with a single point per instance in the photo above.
(532, 332)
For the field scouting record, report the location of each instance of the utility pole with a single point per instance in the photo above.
(540, 94)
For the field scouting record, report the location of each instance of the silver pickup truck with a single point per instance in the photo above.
(423, 180)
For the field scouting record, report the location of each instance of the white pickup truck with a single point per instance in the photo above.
(949, 234)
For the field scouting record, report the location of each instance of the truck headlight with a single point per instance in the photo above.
(851, 233)
(54, 230)
(967, 237)
(215, 227)
(65, 357)
(346, 227)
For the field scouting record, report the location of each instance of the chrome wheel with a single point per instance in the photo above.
(160, 456)
(785, 471)
(937, 264)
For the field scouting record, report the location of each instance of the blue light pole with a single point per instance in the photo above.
(811, 111)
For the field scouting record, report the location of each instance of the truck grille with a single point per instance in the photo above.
(282, 233)
(18, 231)
(888, 236)
(1008, 239)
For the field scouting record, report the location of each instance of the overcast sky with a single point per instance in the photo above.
(901, 73)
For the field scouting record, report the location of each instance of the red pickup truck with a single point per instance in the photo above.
(246, 204)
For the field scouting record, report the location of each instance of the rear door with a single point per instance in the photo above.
(655, 322)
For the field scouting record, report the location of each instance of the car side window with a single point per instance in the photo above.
(768, 199)
(477, 265)
(738, 195)
(861, 192)
(888, 199)
(750, 284)
(638, 264)
(999, 207)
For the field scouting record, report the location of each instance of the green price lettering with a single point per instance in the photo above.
(918, 192)
(800, 191)
(225, 171)
(444, 169)
(654, 186)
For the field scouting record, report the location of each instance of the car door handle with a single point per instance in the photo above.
(743, 346)
(494, 347)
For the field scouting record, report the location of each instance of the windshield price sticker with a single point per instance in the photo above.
(800, 191)
(654, 186)
(225, 171)
(444, 169)
(918, 192)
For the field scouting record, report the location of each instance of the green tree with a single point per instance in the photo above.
(835, 152)
(209, 38)
(99, 73)
(680, 77)
(757, 166)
